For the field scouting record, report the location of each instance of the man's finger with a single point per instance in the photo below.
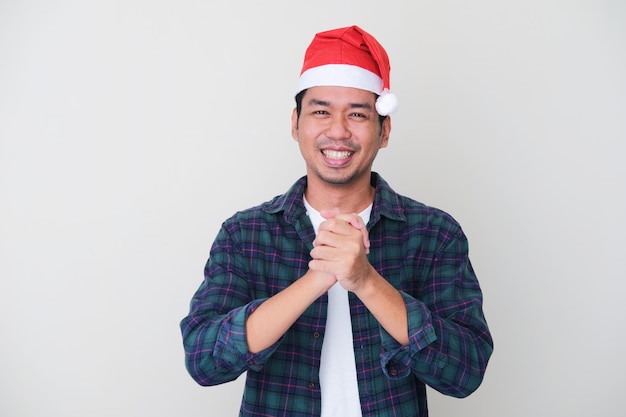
(353, 219)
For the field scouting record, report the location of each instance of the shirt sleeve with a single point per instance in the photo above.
(449, 340)
(214, 334)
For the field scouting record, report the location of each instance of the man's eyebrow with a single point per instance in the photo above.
(317, 102)
(366, 106)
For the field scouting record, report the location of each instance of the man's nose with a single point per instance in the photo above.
(338, 128)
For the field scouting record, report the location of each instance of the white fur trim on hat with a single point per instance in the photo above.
(341, 75)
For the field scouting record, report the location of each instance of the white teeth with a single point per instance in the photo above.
(336, 154)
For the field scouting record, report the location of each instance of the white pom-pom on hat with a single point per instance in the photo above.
(387, 103)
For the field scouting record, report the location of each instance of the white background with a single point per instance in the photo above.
(129, 130)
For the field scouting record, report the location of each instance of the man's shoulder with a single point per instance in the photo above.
(263, 210)
(411, 211)
(417, 211)
(413, 206)
(288, 203)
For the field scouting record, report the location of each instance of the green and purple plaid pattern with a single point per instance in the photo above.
(422, 251)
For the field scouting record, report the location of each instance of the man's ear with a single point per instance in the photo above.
(385, 131)
(294, 125)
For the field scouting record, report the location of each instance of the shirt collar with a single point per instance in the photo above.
(387, 202)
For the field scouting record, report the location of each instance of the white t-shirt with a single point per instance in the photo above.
(338, 380)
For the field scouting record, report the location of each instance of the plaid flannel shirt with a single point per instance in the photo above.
(422, 251)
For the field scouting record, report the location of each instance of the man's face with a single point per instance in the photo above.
(339, 133)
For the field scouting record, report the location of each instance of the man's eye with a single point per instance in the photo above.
(320, 112)
(361, 115)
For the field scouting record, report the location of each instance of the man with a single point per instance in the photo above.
(340, 297)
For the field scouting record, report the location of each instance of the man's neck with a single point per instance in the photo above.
(348, 198)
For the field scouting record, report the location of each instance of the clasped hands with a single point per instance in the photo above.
(340, 250)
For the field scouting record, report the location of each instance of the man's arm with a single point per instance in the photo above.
(226, 331)
(442, 339)
(269, 322)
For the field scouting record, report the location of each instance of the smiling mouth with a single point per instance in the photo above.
(330, 154)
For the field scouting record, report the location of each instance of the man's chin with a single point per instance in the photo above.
(337, 178)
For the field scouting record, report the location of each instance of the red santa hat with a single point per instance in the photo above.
(349, 57)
